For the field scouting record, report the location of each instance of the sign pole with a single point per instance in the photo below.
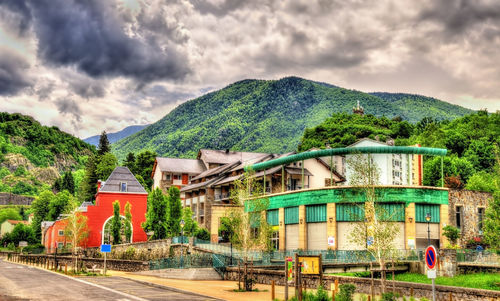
(286, 279)
(105, 264)
(433, 289)
(430, 261)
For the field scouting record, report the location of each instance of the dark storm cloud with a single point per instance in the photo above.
(84, 86)
(69, 106)
(91, 37)
(163, 96)
(457, 16)
(205, 7)
(18, 15)
(13, 75)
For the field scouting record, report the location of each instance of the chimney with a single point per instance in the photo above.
(227, 150)
(99, 184)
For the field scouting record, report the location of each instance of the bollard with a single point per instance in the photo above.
(369, 298)
(451, 298)
(411, 291)
(65, 268)
(273, 295)
(336, 286)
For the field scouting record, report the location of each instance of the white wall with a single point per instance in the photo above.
(156, 178)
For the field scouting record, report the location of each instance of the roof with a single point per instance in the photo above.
(190, 166)
(119, 175)
(14, 222)
(198, 185)
(223, 156)
(360, 141)
(215, 171)
(298, 171)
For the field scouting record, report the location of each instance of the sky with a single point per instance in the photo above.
(89, 66)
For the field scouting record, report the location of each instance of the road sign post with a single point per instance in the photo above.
(430, 261)
(105, 249)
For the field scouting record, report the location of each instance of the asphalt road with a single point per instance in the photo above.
(20, 282)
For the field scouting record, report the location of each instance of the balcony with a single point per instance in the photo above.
(222, 196)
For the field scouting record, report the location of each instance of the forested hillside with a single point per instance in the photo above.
(264, 116)
(472, 142)
(33, 156)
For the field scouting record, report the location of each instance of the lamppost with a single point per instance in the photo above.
(182, 242)
(428, 219)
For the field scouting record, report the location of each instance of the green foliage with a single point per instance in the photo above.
(128, 222)
(40, 208)
(20, 171)
(491, 224)
(322, 294)
(481, 181)
(190, 225)
(156, 216)
(24, 189)
(4, 171)
(451, 233)
(203, 234)
(144, 166)
(174, 211)
(478, 280)
(59, 204)
(21, 232)
(130, 162)
(9, 213)
(40, 144)
(390, 296)
(346, 292)
(104, 146)
(68, 182)
(107, 163)
(116, 224)
(88, 186)
(269, 116)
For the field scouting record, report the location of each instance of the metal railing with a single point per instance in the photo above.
(478, 257)
(184, 262)
(180, 240)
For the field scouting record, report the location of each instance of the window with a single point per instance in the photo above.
(60, 245)
(166, 176)
(480, 218)
(458, 216)
(396, 174)
(275, 240)
(396, 163)
(177, 177)
(123, 187)
(61, 233)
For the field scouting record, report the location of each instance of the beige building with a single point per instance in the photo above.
(8, 225)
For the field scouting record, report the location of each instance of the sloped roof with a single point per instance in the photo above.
(223, 157)
(367, 140)
(119, 175)
(14, 222)
(217, 170)
(191, 166)
(198, 185)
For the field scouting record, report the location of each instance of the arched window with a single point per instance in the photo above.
(107, 236)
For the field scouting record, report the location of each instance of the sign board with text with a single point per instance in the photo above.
(106, 248)
(310, 264)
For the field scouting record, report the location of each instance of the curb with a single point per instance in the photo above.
(178, 290)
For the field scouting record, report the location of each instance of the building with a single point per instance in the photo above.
(8, 225)
(169, 172)
(120, 186)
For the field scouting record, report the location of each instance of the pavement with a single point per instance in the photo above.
(24, 282)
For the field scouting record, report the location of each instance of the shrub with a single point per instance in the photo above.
(129, 253)
(20, 171)
(346, 292)
(203, 234)
(452, 233)
(322, 294)
(390, 296)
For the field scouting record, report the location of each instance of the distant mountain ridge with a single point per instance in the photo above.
(269, 116)
(113, 137)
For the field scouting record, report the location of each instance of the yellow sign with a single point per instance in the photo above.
(309, 265)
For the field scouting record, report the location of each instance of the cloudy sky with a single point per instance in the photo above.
(86, 66)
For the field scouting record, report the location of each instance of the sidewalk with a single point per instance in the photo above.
(213, 288)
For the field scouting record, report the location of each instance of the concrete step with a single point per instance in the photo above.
(185, 274)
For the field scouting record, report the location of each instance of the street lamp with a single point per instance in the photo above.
(182, 242)
(428, 219)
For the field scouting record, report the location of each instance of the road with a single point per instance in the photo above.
(20, 282)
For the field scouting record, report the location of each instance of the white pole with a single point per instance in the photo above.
(433, 289)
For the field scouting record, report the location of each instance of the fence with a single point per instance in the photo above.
(480, 257)
(184, 262)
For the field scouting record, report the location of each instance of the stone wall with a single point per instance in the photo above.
(14, 199)
(470, 202)
(363, 285)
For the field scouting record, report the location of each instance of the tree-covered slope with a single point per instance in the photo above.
(32, 156)
(257, 115)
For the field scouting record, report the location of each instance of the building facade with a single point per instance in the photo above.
(121, 186)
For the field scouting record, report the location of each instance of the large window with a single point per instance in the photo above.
(275, 240)
(459, 216)
(108, 236)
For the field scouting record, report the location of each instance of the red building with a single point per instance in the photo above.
(121, 186)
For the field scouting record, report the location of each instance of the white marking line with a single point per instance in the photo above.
(89, 283)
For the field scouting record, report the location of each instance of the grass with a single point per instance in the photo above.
(480, 280)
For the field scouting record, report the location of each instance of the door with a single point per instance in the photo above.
(316, 236)
(292, 237)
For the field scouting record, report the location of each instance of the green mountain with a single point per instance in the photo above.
(263, 115)
(32, 156)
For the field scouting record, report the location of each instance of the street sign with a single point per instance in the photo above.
(431, 274)
(430, 257)
(289, 269)
(106, 248)
(23, 243)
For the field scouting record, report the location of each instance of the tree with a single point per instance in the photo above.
(68, 182)
(21, 232)
(190, 225)
(130, 162)
(88, 187)
(451, 233)
(377, 225)
(104, 146)
(174, 211)
(491, 228)
(106, 166)
(59, 204)
(116, 224)
(128, 222)
(144, 166)
(9, 213)
(76, 231)
(156, 216)
(40, 208)
(250, 230)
